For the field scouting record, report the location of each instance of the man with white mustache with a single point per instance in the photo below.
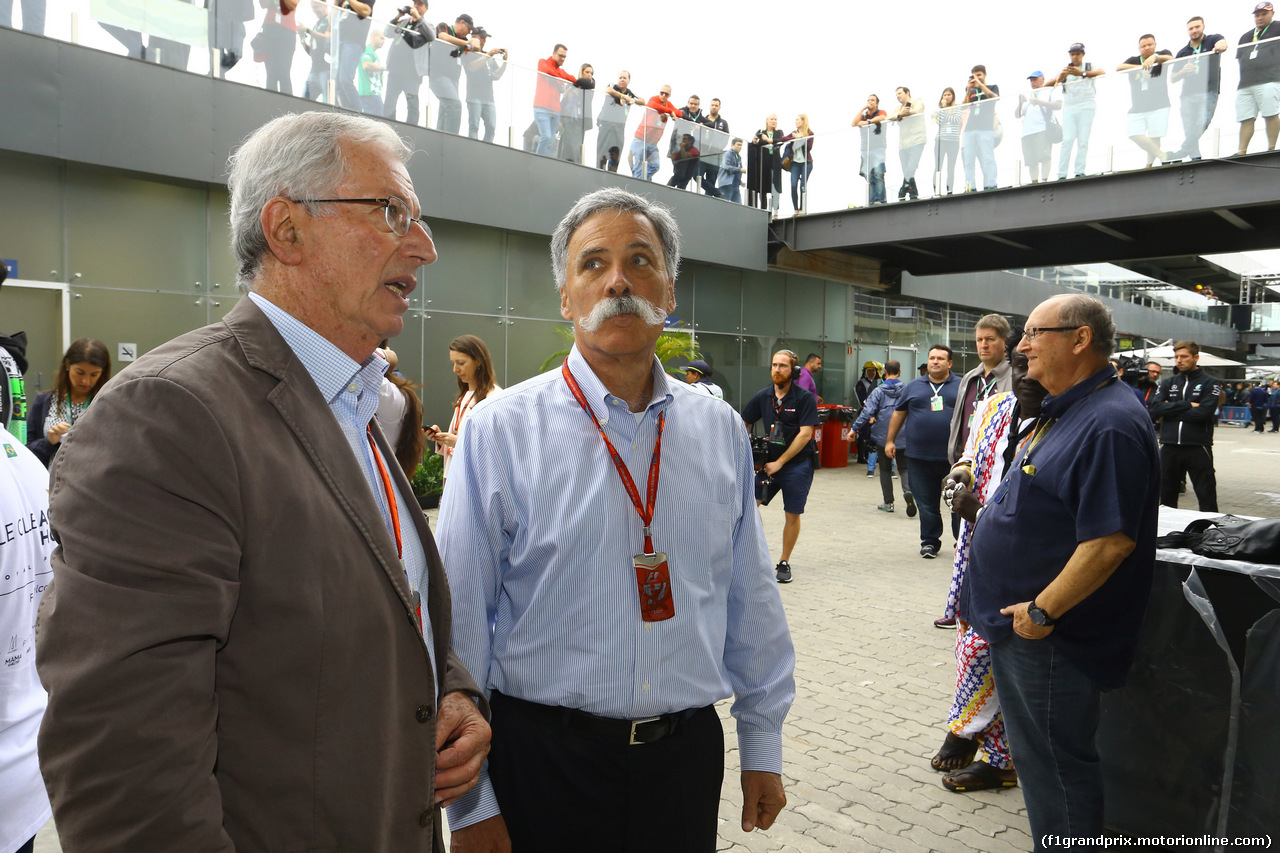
(604, 639)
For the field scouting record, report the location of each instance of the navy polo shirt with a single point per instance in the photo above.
(797, 408)
(1095, 472)
(925, 430)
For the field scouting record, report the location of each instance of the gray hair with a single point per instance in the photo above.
(297, 155)
(1078, 309)
(622, 201)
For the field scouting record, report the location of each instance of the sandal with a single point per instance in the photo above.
(956, 752)
(979, 776)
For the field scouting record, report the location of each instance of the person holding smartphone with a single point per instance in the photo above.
(474, 369)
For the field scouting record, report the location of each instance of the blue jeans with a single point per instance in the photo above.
(32, 15)
(486, 111)
(1197, 112)
(1051, 715)
(925, 477)
(979, 145)
(873, 170)
(349, 54)
(799, 183)
(547, 122)
(643, 154)
(910, 160)
(1077, 122)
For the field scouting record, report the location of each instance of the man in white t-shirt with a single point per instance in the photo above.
(25, 544)
(1036, 109)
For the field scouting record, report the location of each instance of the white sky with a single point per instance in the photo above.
(822, 59)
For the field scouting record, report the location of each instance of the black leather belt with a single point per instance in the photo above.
(633, 732)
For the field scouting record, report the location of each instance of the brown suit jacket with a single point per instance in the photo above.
(229, 644)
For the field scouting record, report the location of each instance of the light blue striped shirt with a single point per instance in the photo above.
(537, 534)
(351, 390)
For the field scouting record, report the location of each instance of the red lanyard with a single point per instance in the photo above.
(390, 493)
(646, 510)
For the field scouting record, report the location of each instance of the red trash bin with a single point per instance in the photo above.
(833, 435)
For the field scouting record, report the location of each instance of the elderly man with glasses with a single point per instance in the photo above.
(258, 637)
(1061, 562)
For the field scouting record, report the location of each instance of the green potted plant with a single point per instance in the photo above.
(428, 481)
(675, 344)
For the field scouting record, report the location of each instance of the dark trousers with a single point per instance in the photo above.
(564, 790)
(28, 847)
(1178, 460)
(886, 473)
(925, 477)
(402, 83)
(1259, 415)
(1275, 419)
(1051, 713)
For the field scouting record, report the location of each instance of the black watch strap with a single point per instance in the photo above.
(1039, 616)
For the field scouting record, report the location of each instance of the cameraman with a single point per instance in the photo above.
(790, 415)
(1187, 404)
(405, 66)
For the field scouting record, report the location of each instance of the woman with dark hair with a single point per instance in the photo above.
(474, 369)
(947, 144)
(399, 413)
(85, 368)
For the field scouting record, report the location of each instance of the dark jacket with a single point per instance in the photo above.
(880, 405)
(1180, 422)
(36, 441)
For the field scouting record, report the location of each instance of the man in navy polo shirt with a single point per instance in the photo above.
(790, 415)
(924, 412)
(1061, 563)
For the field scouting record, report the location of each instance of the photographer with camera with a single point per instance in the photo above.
(405, 69)
(789, 414)
(1187, 406)
(450, 43)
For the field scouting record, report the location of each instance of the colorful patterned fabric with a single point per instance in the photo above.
(975, 711)
(990, 421)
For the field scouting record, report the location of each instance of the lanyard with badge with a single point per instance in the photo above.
(1041, 428)
(653, 577)
(984, 390)
(1258, 35)
(935, 402)
(390, 495)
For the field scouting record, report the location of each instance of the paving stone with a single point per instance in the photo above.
(874, 678)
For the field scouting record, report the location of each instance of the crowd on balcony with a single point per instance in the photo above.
(369, 61)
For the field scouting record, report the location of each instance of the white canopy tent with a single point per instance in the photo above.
(1163, 354)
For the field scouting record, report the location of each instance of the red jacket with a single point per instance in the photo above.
(547, 96)
(652, 125)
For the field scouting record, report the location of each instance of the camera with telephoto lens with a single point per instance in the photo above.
(1133, 371)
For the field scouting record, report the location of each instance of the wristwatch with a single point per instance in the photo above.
(1039, 616)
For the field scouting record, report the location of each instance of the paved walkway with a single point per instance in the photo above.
(874, 677)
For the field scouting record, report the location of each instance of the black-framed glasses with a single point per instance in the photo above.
(395, 209)
(1033, 332)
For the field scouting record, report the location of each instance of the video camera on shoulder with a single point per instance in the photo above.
(1133, 371)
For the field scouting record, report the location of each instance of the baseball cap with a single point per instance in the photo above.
(1034, 74)
(1264, 7)
(466, 19)
(698, 366)
(480, 33)
(1078, 47)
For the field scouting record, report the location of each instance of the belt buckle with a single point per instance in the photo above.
(634, 723)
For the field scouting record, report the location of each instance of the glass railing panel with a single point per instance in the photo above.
(320, 52)
(614, 126)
